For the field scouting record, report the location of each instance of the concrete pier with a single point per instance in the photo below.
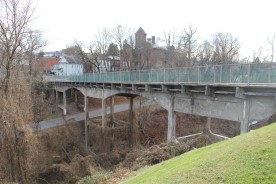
(131, 121)
(86, 121)
(171, 137)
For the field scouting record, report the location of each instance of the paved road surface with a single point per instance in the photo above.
(81, 116)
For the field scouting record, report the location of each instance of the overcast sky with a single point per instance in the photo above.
(64, 21)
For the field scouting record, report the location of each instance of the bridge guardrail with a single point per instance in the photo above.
(232, 73)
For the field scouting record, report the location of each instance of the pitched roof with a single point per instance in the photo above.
(140, 31)
(72, 59)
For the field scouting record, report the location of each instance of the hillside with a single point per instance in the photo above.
(249, 158)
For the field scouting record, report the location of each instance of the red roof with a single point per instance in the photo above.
(46, 63)
(50, 62)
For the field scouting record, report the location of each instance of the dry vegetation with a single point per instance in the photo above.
(18, 42)
(18, 143)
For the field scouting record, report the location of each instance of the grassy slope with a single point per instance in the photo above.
(249, 158)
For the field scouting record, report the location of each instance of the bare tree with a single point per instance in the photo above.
(170, 40)
(188, 43)
(121, 33)
(102, 42)
(205, 53)
(121, 36)
(271, 41)
(143, 55)
(258, 56)
(226, 48)
(91, 59)
(95, 55)
(32, 44)
(17, 45)
(128, 55)
(15, 18)
(170, 37)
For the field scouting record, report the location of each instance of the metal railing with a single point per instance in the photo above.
(232, 73)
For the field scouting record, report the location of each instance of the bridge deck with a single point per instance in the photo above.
(253, 74)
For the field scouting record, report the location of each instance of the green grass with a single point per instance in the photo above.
(245, 159)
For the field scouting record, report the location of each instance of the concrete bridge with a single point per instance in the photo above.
(239, 92)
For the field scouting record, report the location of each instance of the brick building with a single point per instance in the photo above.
(145, 54)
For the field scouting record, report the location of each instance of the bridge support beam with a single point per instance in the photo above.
(131, 122)
(86, 126)
(245, 120)
(171, 137)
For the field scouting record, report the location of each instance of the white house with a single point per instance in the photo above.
(68, 65)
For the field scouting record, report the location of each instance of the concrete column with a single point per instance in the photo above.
(111, 109)
(171, 120)
(57, 98)
(207, 126)
(131, 122)
(103, 112)
(245, 121)
(86, 121)
(64, 103)
(72, 94)
(57, 101)
(76, 97)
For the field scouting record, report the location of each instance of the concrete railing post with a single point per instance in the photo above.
(270, 73)
(198, 75)
(164, 75)
(230, 73)
(220, 74)
(177, 74)
(139, 76)
(171, 120)
(248, 73)
(188, 74)
(214, 75)
(120, 76)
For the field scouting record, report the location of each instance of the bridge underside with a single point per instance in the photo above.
(243, 103)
